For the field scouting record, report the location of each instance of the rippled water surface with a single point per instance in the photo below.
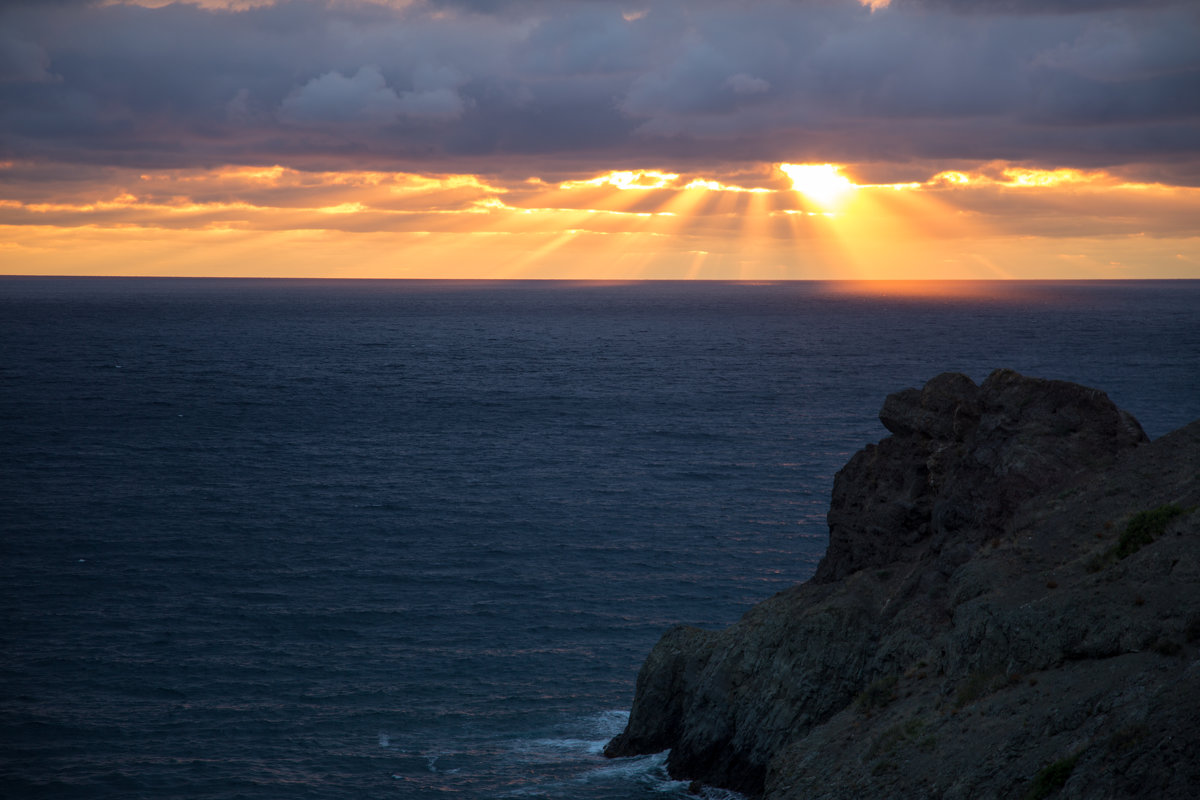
(409, 539)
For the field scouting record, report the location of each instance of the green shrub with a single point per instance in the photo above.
(1144, 527)
(1051, 778)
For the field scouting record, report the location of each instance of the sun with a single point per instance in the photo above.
(823, 183)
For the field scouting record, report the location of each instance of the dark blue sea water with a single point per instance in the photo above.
(412, 540)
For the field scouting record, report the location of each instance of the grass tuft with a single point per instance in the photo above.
(1051, 778)
(1144, 528)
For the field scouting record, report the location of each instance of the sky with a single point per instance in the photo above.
(601, 139)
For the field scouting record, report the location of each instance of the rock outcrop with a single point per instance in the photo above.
(1010, 604)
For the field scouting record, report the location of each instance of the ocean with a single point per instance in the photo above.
(413, 539)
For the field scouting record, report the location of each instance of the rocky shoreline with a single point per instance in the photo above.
(1009, 607)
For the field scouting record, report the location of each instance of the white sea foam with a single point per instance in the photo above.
(583, 737)
(560, 745)
(651, 772)
(639, 769)
(611, 722)
(578, 750)
(431, 763)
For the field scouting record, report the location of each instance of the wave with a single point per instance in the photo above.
(579, 746)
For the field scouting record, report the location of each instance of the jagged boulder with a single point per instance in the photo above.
(960, 460)
(972, 622)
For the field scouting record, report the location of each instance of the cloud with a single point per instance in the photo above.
(365, 98)
(434, 94)
(435, 103)
(951, 209)
(746, 84)
(583, 84)
(23, 62)
(333, 97)
(1027, 7)
(1141, 48)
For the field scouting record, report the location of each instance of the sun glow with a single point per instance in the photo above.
(766, 221)
(627, 179)
(717, 186)
(823, 183)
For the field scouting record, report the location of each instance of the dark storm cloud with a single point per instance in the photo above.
(1031, 6)
(596, 85)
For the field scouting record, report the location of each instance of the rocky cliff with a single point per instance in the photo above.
(1009, 607)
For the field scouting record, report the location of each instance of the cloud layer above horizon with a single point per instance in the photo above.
(584, 86)
(601, 138)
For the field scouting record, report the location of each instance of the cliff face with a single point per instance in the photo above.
(987, 620)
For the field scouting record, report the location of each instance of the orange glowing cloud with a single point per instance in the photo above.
(990, 220)
(626, 179)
